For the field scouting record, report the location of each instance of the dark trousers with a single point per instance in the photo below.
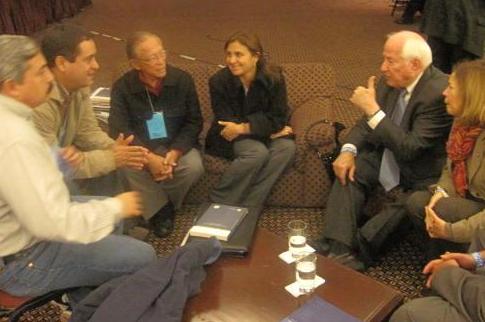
(445, 55)
(344, 208)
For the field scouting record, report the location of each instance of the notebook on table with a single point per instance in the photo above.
(318, 310)
(219, 221)
(240, 241)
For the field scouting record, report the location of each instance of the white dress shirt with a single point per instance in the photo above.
(34, 201)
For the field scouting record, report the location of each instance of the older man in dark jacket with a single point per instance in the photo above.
(399, 142)
(158, 104)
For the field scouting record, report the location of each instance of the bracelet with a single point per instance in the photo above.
(443, 191)
(478, 260)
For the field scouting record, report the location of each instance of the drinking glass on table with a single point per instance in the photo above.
(306, 268)
(297, 237)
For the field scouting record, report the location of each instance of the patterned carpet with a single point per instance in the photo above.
(399, 267)
(347, 34)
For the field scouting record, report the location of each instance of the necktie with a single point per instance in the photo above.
(389, 171)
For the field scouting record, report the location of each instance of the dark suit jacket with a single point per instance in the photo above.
(418, 143)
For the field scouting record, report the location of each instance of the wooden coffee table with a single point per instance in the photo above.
(252, 288)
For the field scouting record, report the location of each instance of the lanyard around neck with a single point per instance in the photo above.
(150, 100)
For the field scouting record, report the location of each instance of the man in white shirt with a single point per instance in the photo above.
(400, 142)
(48, 242)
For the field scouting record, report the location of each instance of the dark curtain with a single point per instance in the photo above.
(25, 17)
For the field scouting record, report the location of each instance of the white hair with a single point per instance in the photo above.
(15, 52)
(417, 48)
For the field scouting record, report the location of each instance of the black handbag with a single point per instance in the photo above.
(329, 157)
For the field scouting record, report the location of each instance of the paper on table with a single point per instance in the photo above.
(294, 289)
(288, 258)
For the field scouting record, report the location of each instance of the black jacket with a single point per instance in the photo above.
(178, 100)
(155, 293)
(265, 107)
(456, 22)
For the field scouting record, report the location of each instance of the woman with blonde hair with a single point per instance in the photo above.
(456, 206)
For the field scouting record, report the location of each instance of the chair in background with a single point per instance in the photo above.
(398, 4)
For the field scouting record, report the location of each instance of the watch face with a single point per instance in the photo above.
(478, 260)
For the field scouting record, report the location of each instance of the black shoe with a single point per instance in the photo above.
(353, 263)
(162, 222)
(321, 246)
(161, 227)
(338, 248)
(349, 260)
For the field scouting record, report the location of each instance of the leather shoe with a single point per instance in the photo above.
(321, 246)
(349, 260)
(162, 227)
(162, 222)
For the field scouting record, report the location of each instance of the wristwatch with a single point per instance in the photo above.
(478, 260)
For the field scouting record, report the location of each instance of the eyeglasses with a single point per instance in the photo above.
(152, 59)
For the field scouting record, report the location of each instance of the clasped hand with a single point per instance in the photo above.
(162, 168)
(448, 260)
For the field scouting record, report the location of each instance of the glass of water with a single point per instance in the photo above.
(306, 269)
(297, 238)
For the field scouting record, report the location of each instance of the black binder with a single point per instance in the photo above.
(239, 244)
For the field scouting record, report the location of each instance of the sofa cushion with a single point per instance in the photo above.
(307, 81)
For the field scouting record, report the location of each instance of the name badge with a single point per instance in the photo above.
(156, 126)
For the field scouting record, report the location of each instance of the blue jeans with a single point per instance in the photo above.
(49, 266)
